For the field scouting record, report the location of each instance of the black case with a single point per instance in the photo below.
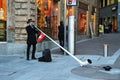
(46, 56)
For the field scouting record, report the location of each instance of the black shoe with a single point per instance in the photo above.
(27, 59)
(34, 58)
(62, 50)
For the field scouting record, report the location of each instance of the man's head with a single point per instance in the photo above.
(61, 22)
(30, 21)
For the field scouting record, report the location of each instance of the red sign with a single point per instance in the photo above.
(71, 2)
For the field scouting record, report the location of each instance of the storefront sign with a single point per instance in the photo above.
(83, 6)
(71, 2)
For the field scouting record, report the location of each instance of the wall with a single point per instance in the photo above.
(118, 29)
(19, 11)
(92, 8)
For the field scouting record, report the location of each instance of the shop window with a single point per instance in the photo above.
(2, 20)
(82, 23)
(47, 16)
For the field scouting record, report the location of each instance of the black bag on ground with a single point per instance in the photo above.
(46, 56)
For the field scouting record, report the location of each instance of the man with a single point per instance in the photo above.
(61, 34)
(31, 38)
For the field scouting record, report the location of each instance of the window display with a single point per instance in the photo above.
(82, 23)
(2, 30)
(47, 12)
(2, 20)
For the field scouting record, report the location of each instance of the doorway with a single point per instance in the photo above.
(114, 24)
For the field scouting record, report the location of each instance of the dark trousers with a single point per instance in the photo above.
(33, 50)
(61, 39)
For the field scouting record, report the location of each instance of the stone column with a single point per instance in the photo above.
(10, 21)
(89, 19)
(118, 26)
(24, 9)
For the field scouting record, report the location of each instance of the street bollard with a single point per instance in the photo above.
(105, 50)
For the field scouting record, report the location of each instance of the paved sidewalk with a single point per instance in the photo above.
(61, 68)
(96, 46)
(17, 68)
(64, 67)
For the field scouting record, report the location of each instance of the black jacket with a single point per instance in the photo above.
(31, 34)
(61, 30)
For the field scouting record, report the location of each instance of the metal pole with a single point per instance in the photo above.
(65, 26)
(71, 35)
(105, 50)
(82, 63)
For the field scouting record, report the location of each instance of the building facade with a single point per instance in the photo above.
(47, 14)
(109, 13)
(87, 15)
(13, 19)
